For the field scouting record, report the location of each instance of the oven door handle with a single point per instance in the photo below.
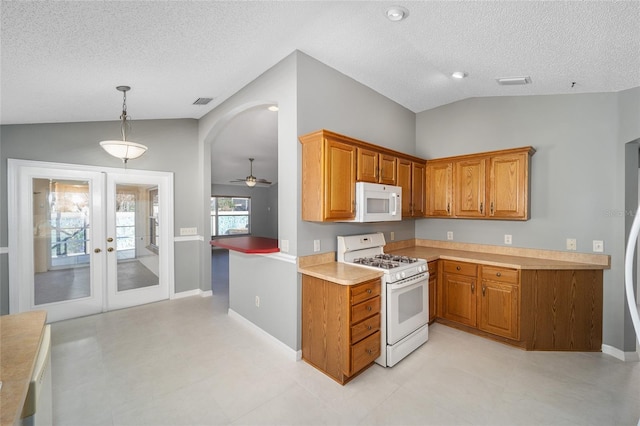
(420, 279)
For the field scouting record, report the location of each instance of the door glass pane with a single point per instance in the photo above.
(137, 242)
(61, 240)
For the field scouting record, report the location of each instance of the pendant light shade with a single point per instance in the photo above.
(123, 149)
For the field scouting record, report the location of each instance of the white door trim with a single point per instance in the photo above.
(14, 222)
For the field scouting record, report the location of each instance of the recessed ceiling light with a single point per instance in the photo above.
(512, 81)
(459, 74)
(396, 13)
(273, 108)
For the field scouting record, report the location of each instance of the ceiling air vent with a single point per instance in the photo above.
(202, 101)
(513, 81)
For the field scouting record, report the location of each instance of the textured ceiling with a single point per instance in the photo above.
(60, 61)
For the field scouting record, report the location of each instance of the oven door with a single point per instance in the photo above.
(407, 306)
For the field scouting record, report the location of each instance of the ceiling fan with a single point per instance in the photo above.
(251, 180)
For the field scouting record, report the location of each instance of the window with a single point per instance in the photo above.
(230, 216)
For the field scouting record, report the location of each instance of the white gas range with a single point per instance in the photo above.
(404, 296)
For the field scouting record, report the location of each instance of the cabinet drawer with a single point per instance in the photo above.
(365, 352)
(365, 328)
(362, 292)
(365, 309)
(460, 268)
(500, 274)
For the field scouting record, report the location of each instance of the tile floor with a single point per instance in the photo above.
(185, 362)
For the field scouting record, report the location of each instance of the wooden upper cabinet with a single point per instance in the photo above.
(333, 163)
(404, 181)
(328, 178)
(367, 164)
(418, 183)
(470, 182)
(375, 167)
(439, 188)
(388, 169)
(490, 185)
(508, 186)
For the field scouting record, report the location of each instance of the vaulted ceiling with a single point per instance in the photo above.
(61, 61)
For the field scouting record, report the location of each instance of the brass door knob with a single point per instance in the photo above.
(97, 250)
(109, 240)
(110, 249)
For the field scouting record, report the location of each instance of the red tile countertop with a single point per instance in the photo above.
(249, 245)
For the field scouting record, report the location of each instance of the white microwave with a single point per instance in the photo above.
(377, 202)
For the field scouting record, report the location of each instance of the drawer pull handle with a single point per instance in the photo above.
(498, 274)
(368, 308)
(368, 291)
(483, 289)
(481, 207)
(368, 327)
(457, 268)
(473, 288)
(370, 351)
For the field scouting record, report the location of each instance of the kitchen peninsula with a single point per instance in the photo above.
(248, 245)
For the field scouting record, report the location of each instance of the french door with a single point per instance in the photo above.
(84, 240)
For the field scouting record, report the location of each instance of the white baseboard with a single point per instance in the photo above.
(190, 293)
(621, 355)
(290, 353)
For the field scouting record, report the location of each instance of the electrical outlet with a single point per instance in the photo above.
(571, 244)
(284, 246)
(507, 238)
(316, 245)
(257, 301)
(188, 231)
(392, 235)
(449, 235)
(598, 246)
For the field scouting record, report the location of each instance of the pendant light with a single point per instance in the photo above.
(123, 149)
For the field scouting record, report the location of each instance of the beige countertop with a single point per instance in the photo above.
(340, 273)
(20, 339)
(505, 261)
(324, 265)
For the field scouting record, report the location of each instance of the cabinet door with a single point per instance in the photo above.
(418, 181)
(404, 181)
(439, 187)
(499, 309)
(433, 283)
(388, 166)
(460, 299)
(339, 181)
(470, 182)
(367, 165)
(508, 186)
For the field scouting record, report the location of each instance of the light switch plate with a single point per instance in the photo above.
(572, 244)
(507, 238)
(284, 246)
(449, 235)
(316, 245)
(188, 231)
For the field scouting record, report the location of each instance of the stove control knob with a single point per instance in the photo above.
(423, 268)
(397, 276)
(403, 274)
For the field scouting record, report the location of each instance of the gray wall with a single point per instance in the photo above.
(77, 143)
(264, 206)
(577, 176)
(330, 100)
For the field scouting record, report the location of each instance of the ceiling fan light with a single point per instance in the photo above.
(250, 181)
(123, 150)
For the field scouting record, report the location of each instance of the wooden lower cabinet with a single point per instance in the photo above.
(340, 326)
(499, 302)
(548, 310)
(433, 290)
(459, 292)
